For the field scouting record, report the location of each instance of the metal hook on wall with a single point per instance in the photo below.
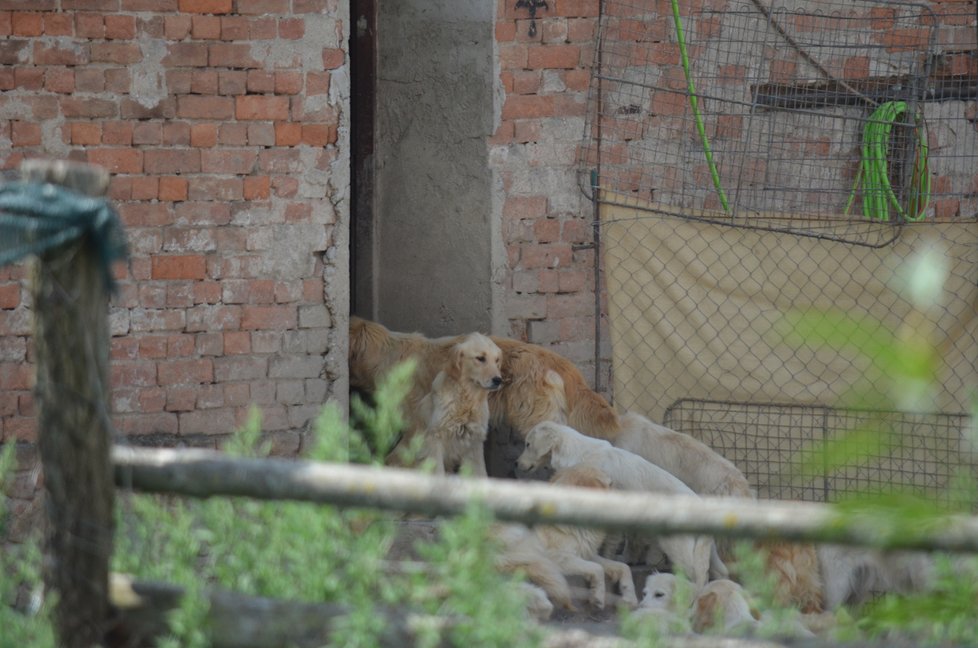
(532, 6)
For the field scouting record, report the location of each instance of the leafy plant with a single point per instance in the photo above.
(902, 375)
(24, 612)
(308, 552)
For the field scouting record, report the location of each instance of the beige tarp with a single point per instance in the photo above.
(693, 308)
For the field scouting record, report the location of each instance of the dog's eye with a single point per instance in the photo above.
(481, 358)
(659, 594)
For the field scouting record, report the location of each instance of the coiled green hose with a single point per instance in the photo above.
(877, 193)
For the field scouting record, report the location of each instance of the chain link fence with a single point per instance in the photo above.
(752, 159)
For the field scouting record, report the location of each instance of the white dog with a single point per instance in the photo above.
(563, 447)
(692, 461)
(852, 575)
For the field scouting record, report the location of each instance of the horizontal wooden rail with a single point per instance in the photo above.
(206, 473)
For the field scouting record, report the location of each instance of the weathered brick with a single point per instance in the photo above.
(185, 372)
(186, 54)
(231, 55)
(262, 107)
(59, 24)
(179, 267)
(59, 79)
(121, 53)
(204, 107)
(240, 368)
(257, 188)
(268, 317)
(203, 82)
(173, 188)
(205, 6)
(172, 161)
(117, 133)
(26, 24)
(228, 161)
(25, 134)
(117, 160)
(9, 295)
(213, 317)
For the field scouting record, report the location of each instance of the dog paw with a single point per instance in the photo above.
(628, 598)
(597, 599)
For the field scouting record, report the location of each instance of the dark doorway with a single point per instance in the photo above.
(363, 104)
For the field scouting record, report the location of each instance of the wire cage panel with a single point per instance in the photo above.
(785, 93)
(777, 448)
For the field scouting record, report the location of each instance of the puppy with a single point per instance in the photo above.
(722, 606)
(453, 418)
(563, 447)
(575, 549)
(659, 603)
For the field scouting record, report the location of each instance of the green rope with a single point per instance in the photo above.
(694, 104)
(873, 174)
(35, 218)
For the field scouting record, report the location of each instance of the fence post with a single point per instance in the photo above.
(71, 353)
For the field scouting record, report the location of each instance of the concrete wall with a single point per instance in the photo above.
(433, 234)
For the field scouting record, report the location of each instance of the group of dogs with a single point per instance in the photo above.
(465, 385)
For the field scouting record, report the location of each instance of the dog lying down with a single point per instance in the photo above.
(575, 548)
(547, 554)
(562, 447)
(453, 417)
(538, 384)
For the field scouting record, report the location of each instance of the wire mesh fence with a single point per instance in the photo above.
(832, 118)
(777, 446)
(752, 159)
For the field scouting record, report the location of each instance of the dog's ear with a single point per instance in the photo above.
(454, 369)
(706, 611)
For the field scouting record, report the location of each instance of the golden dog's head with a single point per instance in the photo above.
(540, 442)
(477, 359)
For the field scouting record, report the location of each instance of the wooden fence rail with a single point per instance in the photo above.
(205, 473)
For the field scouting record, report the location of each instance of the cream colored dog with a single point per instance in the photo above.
(695, 463)
(575, 549)
(453, 418)
(563, 447)
(523, 551)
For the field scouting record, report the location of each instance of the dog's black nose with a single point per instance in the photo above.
(497, 381)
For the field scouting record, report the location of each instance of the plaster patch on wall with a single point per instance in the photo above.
(52, 138)
(288, 254)
(314, 182)
(321, 32)
(148, 86)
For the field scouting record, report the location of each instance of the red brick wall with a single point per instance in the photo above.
(546, 220)
(224, 124)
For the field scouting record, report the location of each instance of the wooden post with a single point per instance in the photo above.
(71, 343)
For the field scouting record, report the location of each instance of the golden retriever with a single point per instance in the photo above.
(575, 549)
(453, 418)
(538, 384)
(562, 447)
